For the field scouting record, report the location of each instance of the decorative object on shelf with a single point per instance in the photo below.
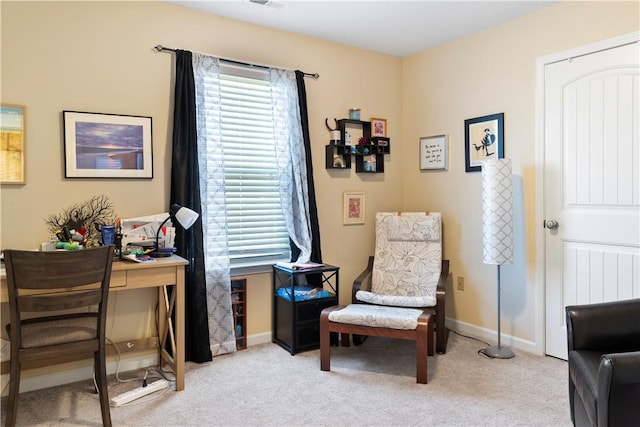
(433, 152)
(383, 144)
(12, 154)
(183, 216)
(354, 113)
(86, 219)
(378, 126)
(338, 161)
(107, 145)
(334, 133)
(483, 140)
(497, 228)
(353, 208)
(370, 164)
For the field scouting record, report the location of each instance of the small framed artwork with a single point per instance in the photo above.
(433, 152)
(100, 145)
(12, 144)
(353, 208)
(483, 140)
(378, 127)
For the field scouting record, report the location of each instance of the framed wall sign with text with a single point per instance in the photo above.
(433, 152)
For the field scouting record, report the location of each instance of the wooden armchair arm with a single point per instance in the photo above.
(363, 281)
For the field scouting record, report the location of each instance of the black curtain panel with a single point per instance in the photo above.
(316, 252)
(185, 191)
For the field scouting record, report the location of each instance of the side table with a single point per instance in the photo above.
(299, 296)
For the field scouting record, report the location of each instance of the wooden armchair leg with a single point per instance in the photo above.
(441, 339)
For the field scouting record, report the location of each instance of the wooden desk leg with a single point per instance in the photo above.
(179, 329)
(162, 323)
(167, 306)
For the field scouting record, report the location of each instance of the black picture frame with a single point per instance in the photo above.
(483, 140)
(115, 146)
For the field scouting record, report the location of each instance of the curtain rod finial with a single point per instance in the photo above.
(158, 48)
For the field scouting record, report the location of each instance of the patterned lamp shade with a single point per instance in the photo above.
(497, 212)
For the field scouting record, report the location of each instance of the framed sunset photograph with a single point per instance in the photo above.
(100, 145)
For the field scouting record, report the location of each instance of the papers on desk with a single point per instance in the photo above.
(299, 265)
(142, 259)
(141, 230)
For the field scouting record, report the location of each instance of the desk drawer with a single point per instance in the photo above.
(155, 277)
(118, 279)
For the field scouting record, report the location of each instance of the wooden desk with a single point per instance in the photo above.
(160, 274)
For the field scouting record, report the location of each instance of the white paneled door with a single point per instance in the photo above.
(591, 183)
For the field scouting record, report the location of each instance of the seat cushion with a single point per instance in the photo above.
(583, 372)
(59, 330)
(377, 316)
(395, 300)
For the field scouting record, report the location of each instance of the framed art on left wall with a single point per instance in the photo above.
(12, 144)
(100, 145)
(353, 208)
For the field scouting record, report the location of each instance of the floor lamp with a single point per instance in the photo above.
(497, 228)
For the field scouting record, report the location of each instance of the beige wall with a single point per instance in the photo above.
(97, 57)
(487, 73)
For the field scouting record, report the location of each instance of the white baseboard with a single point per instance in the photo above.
(491, 336)
(78, 374)
(256, 339)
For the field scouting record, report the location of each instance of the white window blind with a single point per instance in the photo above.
(257, 231)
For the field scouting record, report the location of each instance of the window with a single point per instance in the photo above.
(257, 231)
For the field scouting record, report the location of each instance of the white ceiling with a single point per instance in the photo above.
(397, 28)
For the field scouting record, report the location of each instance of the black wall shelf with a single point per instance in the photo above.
(369, 157)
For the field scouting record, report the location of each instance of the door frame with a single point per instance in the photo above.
(540, 234)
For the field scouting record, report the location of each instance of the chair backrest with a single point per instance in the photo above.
(41, 282)
(408, 254)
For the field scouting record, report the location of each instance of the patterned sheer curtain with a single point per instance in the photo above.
(291, 159)
(206, 70)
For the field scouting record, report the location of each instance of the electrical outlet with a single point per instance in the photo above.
(460, 283)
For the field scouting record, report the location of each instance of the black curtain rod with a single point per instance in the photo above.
(161, 48)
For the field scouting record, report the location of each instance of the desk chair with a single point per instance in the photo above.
(40, 286)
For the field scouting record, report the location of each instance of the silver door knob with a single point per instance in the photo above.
(551, 224)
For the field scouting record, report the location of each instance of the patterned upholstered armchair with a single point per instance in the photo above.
(407, 269)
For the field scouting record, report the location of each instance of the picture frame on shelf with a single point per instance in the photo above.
(99, 145)
(353, 208)
(433, 152)
(13, 143)
(483, 140)
(378, 127)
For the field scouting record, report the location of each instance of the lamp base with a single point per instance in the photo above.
(496, 352)
(156, 254)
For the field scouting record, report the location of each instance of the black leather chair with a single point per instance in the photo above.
(604, 363)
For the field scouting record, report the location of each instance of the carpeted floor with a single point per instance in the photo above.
(370, 385)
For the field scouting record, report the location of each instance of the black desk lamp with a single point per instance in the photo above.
(184, 216)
